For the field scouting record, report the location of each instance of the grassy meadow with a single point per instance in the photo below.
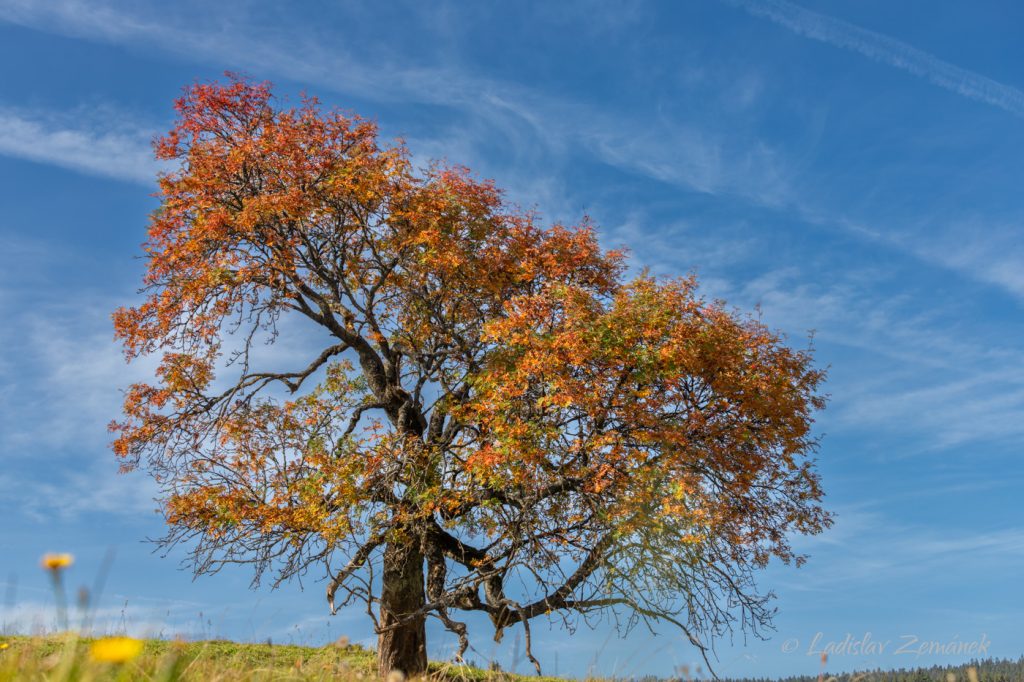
(67, 657)
(71, 658)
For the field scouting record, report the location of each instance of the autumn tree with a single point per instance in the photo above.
(494, 418)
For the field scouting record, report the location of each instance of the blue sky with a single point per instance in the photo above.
(852, 168)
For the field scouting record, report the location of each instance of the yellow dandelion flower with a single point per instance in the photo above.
(4, 645)
(55, 562)
(115, 649)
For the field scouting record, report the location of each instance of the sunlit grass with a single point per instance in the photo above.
(67, 657)
(72, 656)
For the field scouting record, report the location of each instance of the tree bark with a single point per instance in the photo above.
(402, 642)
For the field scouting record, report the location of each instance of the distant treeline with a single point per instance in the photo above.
(987, 670)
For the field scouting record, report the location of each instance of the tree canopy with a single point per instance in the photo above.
(496, 418)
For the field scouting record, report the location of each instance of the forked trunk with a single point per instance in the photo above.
(402, 643)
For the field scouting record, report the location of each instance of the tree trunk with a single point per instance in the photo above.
(402, 642)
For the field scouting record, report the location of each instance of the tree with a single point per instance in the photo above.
(495, 418)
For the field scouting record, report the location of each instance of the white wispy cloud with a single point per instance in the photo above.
(56, 401)
(887, 50)
(985, 249)
(989, 250)
(66, 385)
(541, 130)
(968, 413)
(71, 491)
(229, 40)
(536, 128)
(113, 149)
(869, 546)
(694, 158)
(936, 384)
(903, 551)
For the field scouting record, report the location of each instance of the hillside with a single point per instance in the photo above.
(70, 658)
(67, 658)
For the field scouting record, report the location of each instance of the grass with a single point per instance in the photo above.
(64, 658)
(71, 657)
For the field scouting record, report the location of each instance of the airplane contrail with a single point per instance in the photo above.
(887, 50)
